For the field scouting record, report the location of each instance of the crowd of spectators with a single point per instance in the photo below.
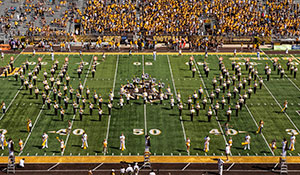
(188, 17)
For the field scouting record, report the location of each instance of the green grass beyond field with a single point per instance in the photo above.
(166, 128)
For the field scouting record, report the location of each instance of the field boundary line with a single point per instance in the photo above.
(21, 87)
(53, 166)
(113, 90)
(258, 127)
(204, 86)
(36, 120)
(175, 91)
(73, 118)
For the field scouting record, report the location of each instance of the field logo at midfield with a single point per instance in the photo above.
(64, 132)
(136, 63)
(154, 132)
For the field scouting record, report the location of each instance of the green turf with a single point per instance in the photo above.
(116, 70)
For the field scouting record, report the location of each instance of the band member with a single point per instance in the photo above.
(95, 97)
(71, 91)
(192, 111)
(195, 97)
(84, 141)
(66, 101)
(100, 113)
(109, 105)
(29, 125)
(237, 108)
(193, 72)
(285, 106)
(21, 144)
(100, 100)
(104, 150)
(62, 144)
(48, 101)
(91, 106)
(75, 106)
(227, 151)
(228, 114)
(62, 113)
(172, 102)
(88, 92)
(122, 142)
(2, 140)
(200, 92)
(284, 147)
(69, 126)
(292, 143)
(223, 102)
(36, 91)
(180, 107)
(188, 145)
(204, 101)
(209, 114)
(197, 108)
(189, 102)
(273, 145)
(246, 144)
(111, 96)
(212, 96)
(45, 141)
(3, 107)
(260, 127)
(206, 144)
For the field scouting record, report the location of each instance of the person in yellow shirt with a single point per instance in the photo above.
(188, 145)
(21, 144)
(104, 150)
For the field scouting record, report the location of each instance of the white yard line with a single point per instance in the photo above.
(145, 107)
(185, 166)
(97, 166)
(257, 127)
(175, 91)
(35, 122)
(53, 166)
(204, 86)
(113, 89)
(230, 167)
(14, 96)
(73, 118)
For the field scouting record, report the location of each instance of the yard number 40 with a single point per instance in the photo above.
(154, 132)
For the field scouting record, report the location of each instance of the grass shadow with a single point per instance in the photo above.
(113, 147)
(24, 131)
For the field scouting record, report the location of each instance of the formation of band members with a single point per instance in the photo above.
(146, 87)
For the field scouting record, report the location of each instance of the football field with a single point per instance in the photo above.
(168, 130)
